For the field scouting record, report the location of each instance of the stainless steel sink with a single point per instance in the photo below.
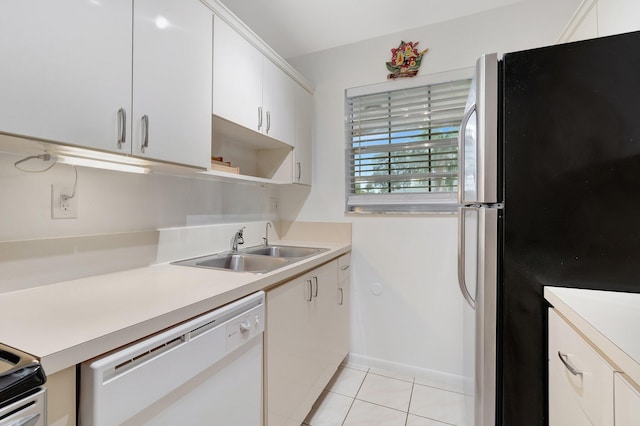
(285, 251)
(240, 262)
(258, 259)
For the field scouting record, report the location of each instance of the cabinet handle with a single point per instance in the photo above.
(299, 175)
(145, 132)
(565, 360)
(345, 267)
(340, 296)
(268, 121)
(310, 294)
(259, 117)
(122, 127)
(315, 281)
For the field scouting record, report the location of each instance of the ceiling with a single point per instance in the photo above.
(299, 27)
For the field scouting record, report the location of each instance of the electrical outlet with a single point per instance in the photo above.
(62, 206)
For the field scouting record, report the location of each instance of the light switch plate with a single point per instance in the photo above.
(63, 207)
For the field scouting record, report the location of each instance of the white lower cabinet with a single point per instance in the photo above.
(307, 319)
(627, 401)
(584, 388)
(579, 376)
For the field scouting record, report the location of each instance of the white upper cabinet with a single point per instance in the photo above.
(66, 70)
(302, 152)
(237, 77)
(278, 103)
(67, 75)
(248, 88)
(172, 68)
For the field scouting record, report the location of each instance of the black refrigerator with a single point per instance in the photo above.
(565, 211)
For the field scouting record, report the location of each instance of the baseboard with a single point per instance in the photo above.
(423, 376)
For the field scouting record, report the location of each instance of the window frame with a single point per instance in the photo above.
(401, 202)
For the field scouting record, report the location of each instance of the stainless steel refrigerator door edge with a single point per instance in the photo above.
(487, 69)
(486, 312)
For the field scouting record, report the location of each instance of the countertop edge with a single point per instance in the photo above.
(69, 356)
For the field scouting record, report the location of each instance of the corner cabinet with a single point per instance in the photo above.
(249, 89)
(585, 386)
(261, 110)
(95, 75)
(307, 321)
(302, 152)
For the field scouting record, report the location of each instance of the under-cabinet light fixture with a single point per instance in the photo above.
(98, 164)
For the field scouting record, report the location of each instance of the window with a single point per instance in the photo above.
(402, 146)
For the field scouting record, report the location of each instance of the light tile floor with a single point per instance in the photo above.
(359, 395)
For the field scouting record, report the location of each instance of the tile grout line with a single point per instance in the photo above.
(406, 419)
(353, 400)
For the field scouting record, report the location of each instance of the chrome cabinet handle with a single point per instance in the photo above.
(315, 281)
(340, 296)
(299, 174)
(268, 121)
(145, 132)
(259, 117)
(310, 293)
(461, 142)
(565, 360)
(345, 267)
(122, 127)
(461, 258)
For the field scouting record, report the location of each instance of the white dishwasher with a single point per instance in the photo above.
(205, 371)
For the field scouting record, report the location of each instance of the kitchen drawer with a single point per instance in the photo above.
(590, 385)
(564, 409)
(627, 401)
(344, 267)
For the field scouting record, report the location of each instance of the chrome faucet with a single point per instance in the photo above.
(237, 239)
(266, 234)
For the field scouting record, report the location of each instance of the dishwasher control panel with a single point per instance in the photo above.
(244, 327)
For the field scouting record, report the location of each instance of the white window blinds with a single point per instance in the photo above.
(402, 147)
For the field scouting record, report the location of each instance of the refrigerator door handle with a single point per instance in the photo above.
(461, 142)
(461, 257)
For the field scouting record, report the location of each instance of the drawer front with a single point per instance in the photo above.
(564, 408)
(627, 401)
(590, 383)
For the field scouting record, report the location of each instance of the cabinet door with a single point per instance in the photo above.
(343, 303)
(237, 77)
(323, 352)
(172, 81)
(302, 150)
(290, 373)
(627, 401)
(66, 70)
(278, 103)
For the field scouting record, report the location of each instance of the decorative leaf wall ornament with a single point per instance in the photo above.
(405, 60)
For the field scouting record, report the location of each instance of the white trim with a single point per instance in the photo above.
(230, 18)
(577, 19)
(422, 80)
(423, 376)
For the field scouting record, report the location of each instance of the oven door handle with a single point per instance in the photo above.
(31, 420)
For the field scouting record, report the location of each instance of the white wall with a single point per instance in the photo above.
(406, 305)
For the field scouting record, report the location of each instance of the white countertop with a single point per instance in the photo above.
(69, 322)
(610, 320)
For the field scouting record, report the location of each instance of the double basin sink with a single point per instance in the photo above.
(259, 259)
